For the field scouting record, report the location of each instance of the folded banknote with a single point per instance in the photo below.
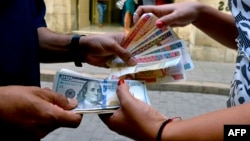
(95, 95)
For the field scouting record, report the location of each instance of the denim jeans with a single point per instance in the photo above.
(102, 7)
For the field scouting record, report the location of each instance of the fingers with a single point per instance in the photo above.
(123, 92)
(176, 14)
(108, 45)
(60, 100)
(125, 55)
(171, 19)
(167, 20)
(160, 23)
(60, 109)
(100, 61)
(47, 88)
(144, 9)
(129, 60)
(105, 117)
(160, 11)
(67, 118)
(126, 99)
(136, 17)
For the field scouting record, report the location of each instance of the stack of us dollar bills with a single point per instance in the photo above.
(94, 95)
(161, 56)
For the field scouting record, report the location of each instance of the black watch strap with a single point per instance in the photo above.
(75, 48)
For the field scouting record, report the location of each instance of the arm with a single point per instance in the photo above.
(54, 47)
(209, 126)
(94, 49)
(139, 121)
(219, 26)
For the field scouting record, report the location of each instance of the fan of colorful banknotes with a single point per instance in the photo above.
(161, 56)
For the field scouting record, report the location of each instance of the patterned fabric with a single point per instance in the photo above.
(240, 85)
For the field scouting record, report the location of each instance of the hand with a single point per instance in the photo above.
(34, 112)
(98, 49)
(176, 14)
(134, 119)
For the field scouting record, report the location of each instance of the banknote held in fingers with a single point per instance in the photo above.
(95, 95)
(161, 55)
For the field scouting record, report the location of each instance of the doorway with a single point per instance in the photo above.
(112, 15)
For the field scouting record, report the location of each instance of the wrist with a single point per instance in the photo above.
(162, 133)
(203, 14)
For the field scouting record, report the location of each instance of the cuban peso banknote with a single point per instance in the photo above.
(95, 95)
(160, 54)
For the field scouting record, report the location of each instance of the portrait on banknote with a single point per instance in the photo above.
(90, 95)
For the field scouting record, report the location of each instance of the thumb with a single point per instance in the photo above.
(126, 56)
(61, 107)
(173, 20)
(64, 102)
(57, 99)
(125, 97)
(165, 21)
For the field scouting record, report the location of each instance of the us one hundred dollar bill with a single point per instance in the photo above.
(95, 95)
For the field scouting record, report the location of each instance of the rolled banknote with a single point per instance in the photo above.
(94, 95)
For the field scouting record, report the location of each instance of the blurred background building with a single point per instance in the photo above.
(81, 17)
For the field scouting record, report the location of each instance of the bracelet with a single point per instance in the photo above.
(158, 138)
(74, 46)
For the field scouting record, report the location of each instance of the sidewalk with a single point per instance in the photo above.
(206, 77)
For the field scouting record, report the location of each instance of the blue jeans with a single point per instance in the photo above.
(102, 7)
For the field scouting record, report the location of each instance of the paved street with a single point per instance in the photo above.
(170, 103)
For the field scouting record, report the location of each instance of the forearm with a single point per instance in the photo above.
(208, 126)
(218, 25)
(54, 47)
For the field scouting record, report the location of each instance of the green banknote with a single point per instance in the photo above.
(94, 95)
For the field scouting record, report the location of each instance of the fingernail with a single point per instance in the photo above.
(160, 24)
(132, 61)
(121, 81)
(72, 101)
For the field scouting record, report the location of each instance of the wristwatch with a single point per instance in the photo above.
(75, 48)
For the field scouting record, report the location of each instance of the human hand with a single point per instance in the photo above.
(176, 14)
(32, 112)
(134, 119)
(98, 49)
